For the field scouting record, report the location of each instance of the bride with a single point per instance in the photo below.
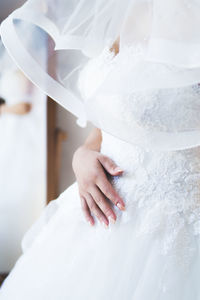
(129, 226)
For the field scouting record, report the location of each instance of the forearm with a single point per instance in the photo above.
(93, 141)
(3, 108)
(20, 108)
(6, 109)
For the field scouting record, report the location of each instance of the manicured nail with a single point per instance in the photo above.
(111, 219)
(120, 206)
(104, 224)
(90, 222)
(117, 169)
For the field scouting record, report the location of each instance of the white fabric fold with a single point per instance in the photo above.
(76, 31)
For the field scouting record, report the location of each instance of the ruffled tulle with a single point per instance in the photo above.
(136, 258)
(68, 259)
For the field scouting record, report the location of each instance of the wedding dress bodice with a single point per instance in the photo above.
(153, 118)
(162, 187)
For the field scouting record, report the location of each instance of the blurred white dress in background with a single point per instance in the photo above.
(22, 164)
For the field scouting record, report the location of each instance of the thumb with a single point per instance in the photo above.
(109, 165)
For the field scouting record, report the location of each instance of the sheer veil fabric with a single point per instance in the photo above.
(164, 38)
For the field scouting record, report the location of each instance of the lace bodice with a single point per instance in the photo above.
(149, 116)
(162, 191)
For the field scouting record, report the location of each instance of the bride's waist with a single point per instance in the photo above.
(132, 157)
(170, 178)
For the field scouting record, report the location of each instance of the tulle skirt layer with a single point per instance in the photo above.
(66, 258)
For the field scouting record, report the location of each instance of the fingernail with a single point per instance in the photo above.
(112, 220)
(117, 169)
(104, 224)
(90, 223)
(120, 206)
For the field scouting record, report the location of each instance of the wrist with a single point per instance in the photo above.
(80, 153)
(75, 157)
(91, 147)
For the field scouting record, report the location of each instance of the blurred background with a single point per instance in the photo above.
(37, 142)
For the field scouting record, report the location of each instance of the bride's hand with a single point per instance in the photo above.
(94, 187)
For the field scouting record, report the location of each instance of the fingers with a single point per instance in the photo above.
(109, 165)
(97, 191)
(86, 211)
(96, 210)
(108, 190)
(103, 204)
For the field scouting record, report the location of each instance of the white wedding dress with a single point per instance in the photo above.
(22, 165)
(152, 252)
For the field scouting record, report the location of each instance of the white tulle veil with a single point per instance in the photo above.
(74, 31)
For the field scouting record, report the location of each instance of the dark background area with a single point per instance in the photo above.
(7, 6)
